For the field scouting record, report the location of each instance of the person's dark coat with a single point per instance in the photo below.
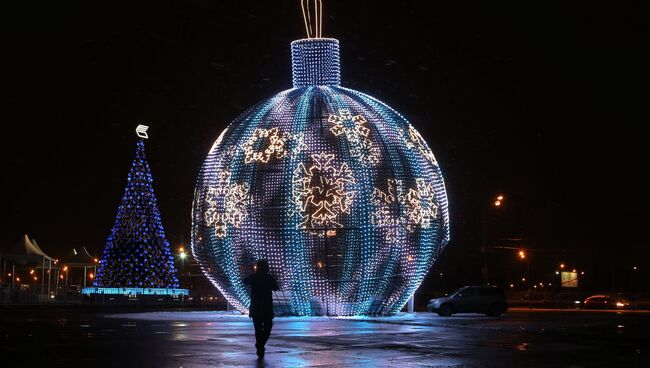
(262, 285)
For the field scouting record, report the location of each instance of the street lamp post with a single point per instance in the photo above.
(182, 255)
(497, 202)
(524, 257)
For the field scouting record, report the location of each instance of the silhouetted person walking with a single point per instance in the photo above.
(261, 309)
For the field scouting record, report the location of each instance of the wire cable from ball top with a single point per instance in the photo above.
(313, 22)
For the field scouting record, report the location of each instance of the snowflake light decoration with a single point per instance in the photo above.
(320, 194)
(354, 129)
(384, 217)
(419, 205)
(414, 140)
(273, 145)
(227, 204)
(299, 145)
(398, 209)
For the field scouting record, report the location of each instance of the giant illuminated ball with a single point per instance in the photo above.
(336, 189)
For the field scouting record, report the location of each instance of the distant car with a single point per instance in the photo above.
(490, 300)
(605, 302)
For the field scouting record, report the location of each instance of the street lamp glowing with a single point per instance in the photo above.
(182, 255)
(500, 198)
(497, 203)
(522, 254)
(561, 265)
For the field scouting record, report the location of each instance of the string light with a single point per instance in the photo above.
(233, 210)
(337, 190)
(416, 208)
(319, 193)
(414, 140)
(137, 253)
(354, 130)
(273, 147)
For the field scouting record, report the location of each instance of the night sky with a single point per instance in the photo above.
(539, 102)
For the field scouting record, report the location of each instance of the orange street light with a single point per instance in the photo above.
(497, 203)
(522, 254)
(561, 265)
(500, 197)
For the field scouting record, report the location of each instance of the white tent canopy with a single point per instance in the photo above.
(25, 254)
(31, 247)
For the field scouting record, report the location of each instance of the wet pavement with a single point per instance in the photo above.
(91, 338)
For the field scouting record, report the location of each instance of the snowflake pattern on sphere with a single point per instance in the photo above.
(354, 129)
(227, 204)
(415, 207)
(414, 140)
(319, 192)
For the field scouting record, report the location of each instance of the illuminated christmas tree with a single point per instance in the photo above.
(137, 253)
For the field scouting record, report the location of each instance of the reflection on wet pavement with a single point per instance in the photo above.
(202, 339)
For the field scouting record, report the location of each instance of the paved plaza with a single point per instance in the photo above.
(522, 338)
